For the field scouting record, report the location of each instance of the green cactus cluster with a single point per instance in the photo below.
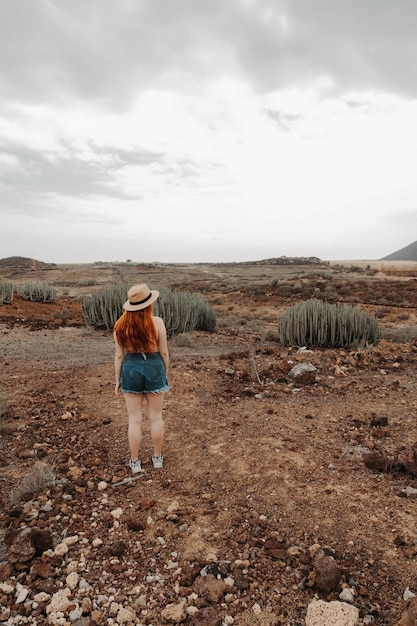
(182, 312)
(6, 291)
(314, 323)
(37, 292)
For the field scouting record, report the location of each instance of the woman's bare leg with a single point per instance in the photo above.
(155, 403)
(134, 403)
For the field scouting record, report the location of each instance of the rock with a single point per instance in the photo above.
(346, 595)
(207, 616)
(326, 574)
(174, 613)
(42, 541)
(407, 460)
(378, 462)
(117, 513)
(72, 580)
(61, 549)
(303, 373)
(409, 616)
(42, 596)
(133, 523)
(20, 548)
(22, 595)
(59, 602)
(210, 588)
(125, 616)
(41, 569)
(321, 613)
(407, 595)
(408, 492)
(4, 615)
(117, 548)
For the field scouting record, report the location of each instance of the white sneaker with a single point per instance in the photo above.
(158, 461)
(135, 466)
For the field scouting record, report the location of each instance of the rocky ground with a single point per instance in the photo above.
(276, 493)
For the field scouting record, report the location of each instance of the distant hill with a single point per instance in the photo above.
(22, 262)
(409, 253)
(285, 260)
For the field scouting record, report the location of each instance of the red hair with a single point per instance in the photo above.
(136, 332)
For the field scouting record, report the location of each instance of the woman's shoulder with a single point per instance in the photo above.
(159, 322)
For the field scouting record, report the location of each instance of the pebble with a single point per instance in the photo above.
(408, 594)
(117, 513)
(102, 485)
(346, 595)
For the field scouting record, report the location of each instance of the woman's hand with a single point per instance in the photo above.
(117, 389)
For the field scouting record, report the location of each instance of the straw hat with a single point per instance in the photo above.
(140, 297)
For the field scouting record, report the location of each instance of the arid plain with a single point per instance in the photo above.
(262, 479)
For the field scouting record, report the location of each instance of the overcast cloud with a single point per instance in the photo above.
(195, 130)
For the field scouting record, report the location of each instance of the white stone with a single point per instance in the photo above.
(70, 541)
(256, 609)
(229, 620)
(59, 601)
(42, 596)
(125, 616)
(408, 594)
(23, 594)
(72, 580)
(321, 613)
(192, 610)
(5, 588)
(117, 513)
(72, 567)
(61, 549)
(97, 542)
(346, 595)
(174, 506)
(174, 613)
(102, 485)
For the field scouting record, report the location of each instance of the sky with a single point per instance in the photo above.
(182, 131)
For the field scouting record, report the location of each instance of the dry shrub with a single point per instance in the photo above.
(5, 410)
(183, 340)
(40, 477)
(272, 336)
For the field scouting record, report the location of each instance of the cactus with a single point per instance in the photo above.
(182, 312)
(37, 292)
(314, 323)
(6, 292)
(104, 307)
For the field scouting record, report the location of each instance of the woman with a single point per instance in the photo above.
(141, 365)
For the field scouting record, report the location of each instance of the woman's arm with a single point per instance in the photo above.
(119, 354)
(162, 341)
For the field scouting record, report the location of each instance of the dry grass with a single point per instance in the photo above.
(40, 477)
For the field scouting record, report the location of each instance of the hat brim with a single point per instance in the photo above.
(138, 307)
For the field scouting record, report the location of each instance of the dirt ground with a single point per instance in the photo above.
(262, 475)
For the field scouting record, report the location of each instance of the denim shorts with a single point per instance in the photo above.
(143, 373)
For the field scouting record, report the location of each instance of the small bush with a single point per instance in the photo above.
(183, 340)
(40, 477)
(314, 323)
(62, 316)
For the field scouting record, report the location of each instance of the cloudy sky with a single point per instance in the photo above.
(207, 130)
